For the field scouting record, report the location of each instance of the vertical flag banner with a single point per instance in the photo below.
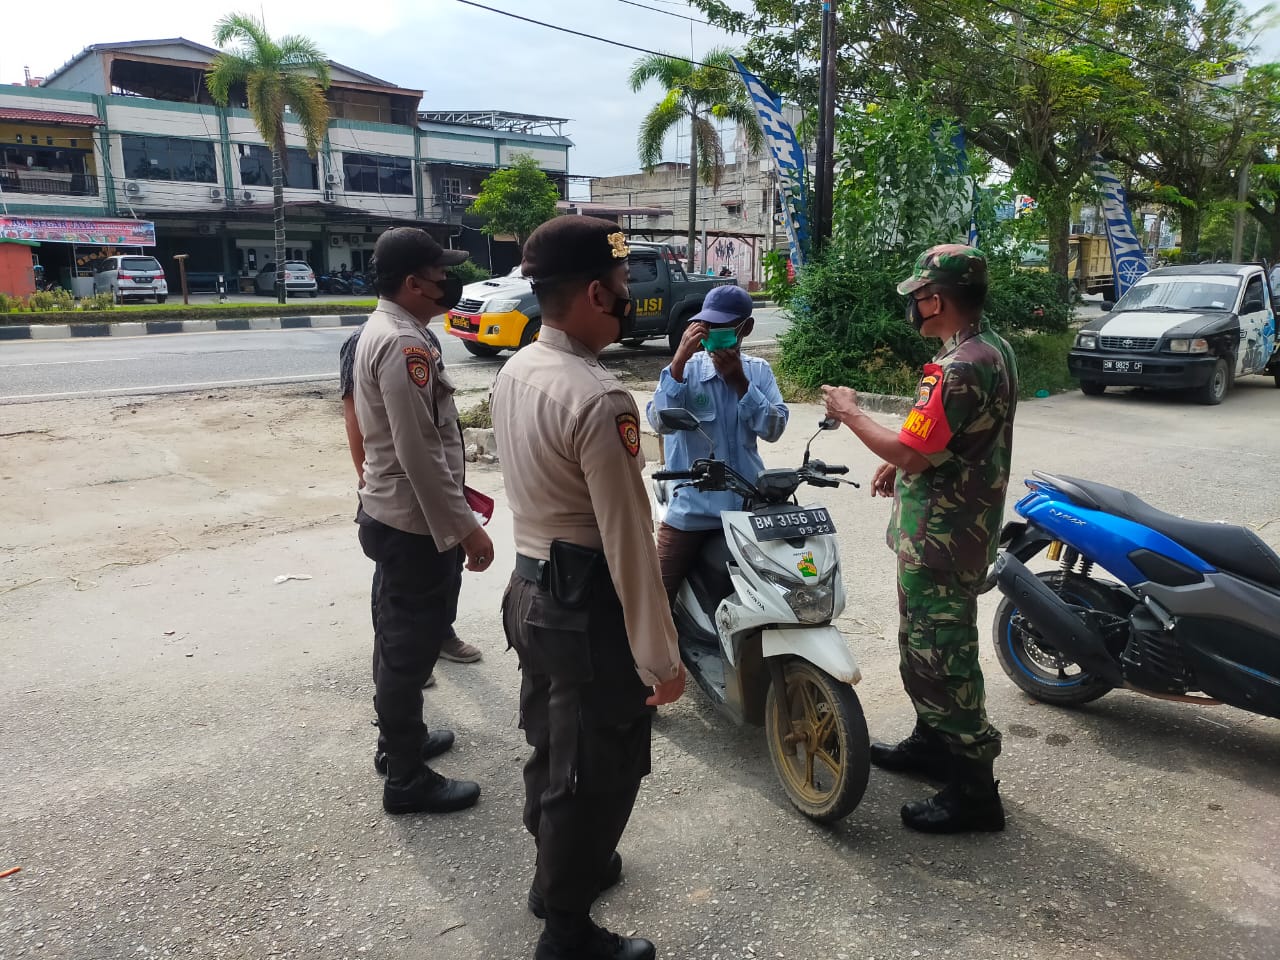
(1128, 262)
(962, 167)
(787, 158)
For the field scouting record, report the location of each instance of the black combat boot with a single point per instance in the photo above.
(923, 754)
(413, 787)
(612, 874)
(436, 743)
(577, 938)
(970, 802)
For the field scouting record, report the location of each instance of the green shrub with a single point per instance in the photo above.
(9, 304)
(41, 301)
(1027, 301)
(469, 272)
(97, 302)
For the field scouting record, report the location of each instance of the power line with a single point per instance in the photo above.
(666, 13)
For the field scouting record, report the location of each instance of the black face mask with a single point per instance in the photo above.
(622, 311)
(450, 292)
(914, 316)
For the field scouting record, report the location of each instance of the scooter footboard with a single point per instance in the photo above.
(1055, 619)
(824, 647)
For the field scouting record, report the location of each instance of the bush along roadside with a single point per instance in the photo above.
(220, 311)
(849, 328)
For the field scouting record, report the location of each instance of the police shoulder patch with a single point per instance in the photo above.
(419, 362)
(629, 431)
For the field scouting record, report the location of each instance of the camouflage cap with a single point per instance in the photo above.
(949, 265)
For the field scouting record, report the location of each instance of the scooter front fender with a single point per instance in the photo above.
(824, 647)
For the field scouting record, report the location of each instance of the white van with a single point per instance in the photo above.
(131, 276)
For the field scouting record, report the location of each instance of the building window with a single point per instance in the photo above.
(451, 191)
(300, 170)
(168, 158)
(373, 173)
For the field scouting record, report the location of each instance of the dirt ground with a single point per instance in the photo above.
(186, 742)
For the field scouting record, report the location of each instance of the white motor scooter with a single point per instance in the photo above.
(754, 620)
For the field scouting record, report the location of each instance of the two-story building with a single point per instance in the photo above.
(123, 142)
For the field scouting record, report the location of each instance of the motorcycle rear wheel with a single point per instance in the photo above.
(821, 752)
(1033, 664)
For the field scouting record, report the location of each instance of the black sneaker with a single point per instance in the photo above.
(427, 792)
(437, 742)
(612, 874)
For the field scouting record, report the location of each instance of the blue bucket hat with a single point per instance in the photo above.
(725, 306)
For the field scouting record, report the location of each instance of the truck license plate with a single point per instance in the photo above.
(792, 523)
(1122, 366)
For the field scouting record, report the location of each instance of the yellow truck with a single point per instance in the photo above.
(1089, 263)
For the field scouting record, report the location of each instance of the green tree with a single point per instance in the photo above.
(517, 199)
(699, 94)
(272, 78)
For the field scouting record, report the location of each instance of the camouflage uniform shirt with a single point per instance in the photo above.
(948, 517)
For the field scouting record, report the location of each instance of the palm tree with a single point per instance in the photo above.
(698, 93)
(276, 75)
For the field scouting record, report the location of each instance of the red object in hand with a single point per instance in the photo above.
(479, 503)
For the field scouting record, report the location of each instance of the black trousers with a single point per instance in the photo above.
(415, 601)
(582, 708)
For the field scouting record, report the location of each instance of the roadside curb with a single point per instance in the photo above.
(73, 331)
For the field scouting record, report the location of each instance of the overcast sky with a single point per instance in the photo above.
(463, 57)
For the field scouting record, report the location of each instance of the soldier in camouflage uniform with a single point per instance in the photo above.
(947, 469)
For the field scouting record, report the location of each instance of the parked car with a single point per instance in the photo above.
(131, 277)
(1197, 328)
(503, 313)
(298, 278)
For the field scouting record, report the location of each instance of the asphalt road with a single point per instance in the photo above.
(66, 369)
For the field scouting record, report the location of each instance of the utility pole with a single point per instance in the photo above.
(825, 179)
(1237, 246)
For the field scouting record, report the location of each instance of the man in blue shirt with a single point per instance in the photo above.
(736, 398)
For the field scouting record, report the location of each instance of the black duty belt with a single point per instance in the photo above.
(535, 571)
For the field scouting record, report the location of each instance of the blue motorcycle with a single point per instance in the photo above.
(1194, 616)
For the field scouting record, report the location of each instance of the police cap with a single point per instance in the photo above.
(574, 246)
(401, 251)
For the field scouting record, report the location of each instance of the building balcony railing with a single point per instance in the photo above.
(49, 184)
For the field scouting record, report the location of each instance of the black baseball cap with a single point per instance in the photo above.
(401, 251)
(574, 246)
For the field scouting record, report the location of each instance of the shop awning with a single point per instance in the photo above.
(49, 116)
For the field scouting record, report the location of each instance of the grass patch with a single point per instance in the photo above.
(477, 417)
(194, 311)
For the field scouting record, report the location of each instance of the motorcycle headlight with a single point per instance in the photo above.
(1087, 341)
(1188, 346)
(811, 602)
(500, 306)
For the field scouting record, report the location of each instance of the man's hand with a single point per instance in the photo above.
(479, 550)
(882, 483)
(842, 402)
(690, 344)
(668, 692)
(728, 364)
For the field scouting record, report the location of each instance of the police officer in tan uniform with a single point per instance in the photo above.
(415, 522)
(585, 609)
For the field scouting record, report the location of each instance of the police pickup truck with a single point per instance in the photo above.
(1196, 328)
(502, 314)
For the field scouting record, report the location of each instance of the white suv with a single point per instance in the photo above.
(131, 276)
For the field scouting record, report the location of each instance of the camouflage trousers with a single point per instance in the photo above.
(938, 640)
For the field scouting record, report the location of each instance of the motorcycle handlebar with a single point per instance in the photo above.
(674, 475)
(838, 470)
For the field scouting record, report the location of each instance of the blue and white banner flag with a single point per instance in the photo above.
(788, 158)
(1128, 261)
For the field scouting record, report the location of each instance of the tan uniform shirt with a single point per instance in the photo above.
(568, 436)
(413, 456)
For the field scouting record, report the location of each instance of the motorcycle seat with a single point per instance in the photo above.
(1233, 548)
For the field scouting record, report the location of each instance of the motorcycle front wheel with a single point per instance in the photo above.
(818, 742)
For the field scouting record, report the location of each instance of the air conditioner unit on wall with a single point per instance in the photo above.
(133, 188)
(206, 229)
(333, 178)
(215, 193)
(355, 240)
(335, 241)
(247, 196)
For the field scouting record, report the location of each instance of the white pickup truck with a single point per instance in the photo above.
(1196, 328)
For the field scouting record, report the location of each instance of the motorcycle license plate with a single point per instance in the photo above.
(1122, 366)
(814, 522)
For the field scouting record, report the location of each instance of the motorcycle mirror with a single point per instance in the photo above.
(678, 418)
(826, 423)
